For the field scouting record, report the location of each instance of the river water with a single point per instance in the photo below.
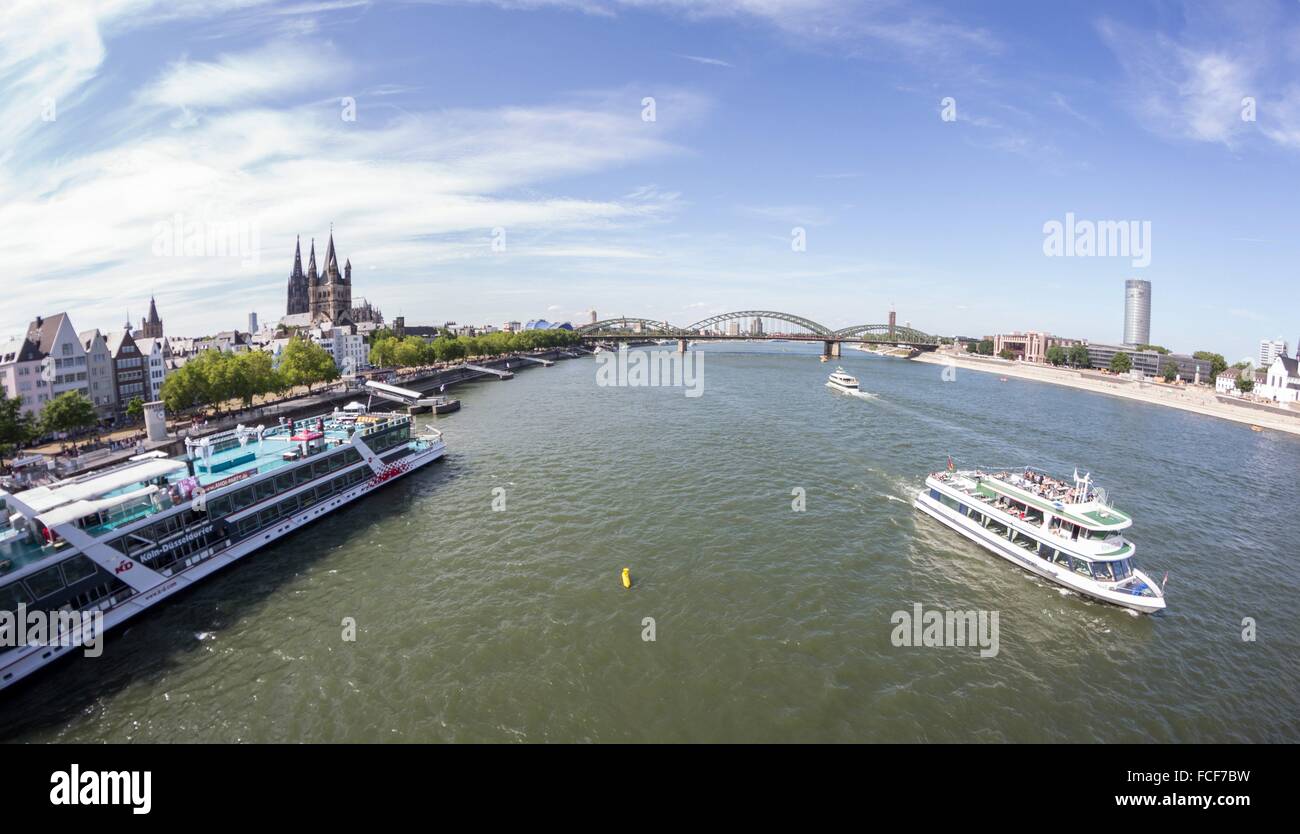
(475, 624)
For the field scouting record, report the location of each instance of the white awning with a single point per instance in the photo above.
(81, 509)
(43, 499)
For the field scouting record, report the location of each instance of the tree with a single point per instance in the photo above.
(16, 426)
(307, 363)
(1120, 363)
(1245, 378)
(984, 347)
(1217, 363)
(68, 412)
(135, 409)
(1056, 355)
(1079, 357)
(1157, 348)
(1007, 353)
(248, 375)
(1170, 371)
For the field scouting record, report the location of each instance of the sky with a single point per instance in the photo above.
(483, 161)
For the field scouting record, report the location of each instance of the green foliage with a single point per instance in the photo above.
(1079, 356)
(1057, 355)
(1120, 363)
(135, 409)
(214, 376)
(307, 363)
(1170, 370)
(16, 426)
(1007, 353)
(1217, 363)
(411, 352)
(1246, 380)
(68, 412)
(983, 347)
(1157, 348)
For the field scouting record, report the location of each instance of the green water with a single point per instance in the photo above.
(771, 624)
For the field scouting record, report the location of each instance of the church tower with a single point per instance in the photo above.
(152, 327)
(299, 298)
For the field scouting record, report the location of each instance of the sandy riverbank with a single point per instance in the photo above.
(1188, 399)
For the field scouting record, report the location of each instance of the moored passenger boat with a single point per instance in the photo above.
(121, 540)
(1065, 532)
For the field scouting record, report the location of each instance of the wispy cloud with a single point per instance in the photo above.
(713, 62)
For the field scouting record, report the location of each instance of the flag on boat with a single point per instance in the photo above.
(1164, 581)
(951, 467)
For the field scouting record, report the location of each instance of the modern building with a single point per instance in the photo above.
(1137, 312)
(1030, 346)
(252, 323)
(1151, 362)
(756, 327)
(593, 317)
(347, 347)
(1270, 349)
(99, 372)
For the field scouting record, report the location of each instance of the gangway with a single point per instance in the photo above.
(414, 401)
(481, 369)
(544, 362)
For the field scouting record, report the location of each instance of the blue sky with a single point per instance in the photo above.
(770, 115)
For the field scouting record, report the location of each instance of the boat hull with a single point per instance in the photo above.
(1031, 562)
(22, 662)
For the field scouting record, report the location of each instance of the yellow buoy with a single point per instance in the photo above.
(627, 577)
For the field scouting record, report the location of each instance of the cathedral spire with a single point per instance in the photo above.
(311, 263)
(297, 256)
(331, 261)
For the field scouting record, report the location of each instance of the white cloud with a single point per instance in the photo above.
(247, 77)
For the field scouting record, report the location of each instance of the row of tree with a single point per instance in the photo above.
(69, 412)
(214, 377)
(388, 351)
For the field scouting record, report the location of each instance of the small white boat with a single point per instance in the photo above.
(841, 381)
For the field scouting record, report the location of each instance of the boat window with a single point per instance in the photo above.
(1082, 567)
(12, 595)
(1123, 569)
(265, 489)
(241, 499)
(78, 568)
(934, 493)
(220, 507)
(284, 483)
(302, 474)
(45, 583)
(1062, 559)
(1101, 572)
(1046, 552)
(320, 467)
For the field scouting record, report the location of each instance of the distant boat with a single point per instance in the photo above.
(1255, 428)
(1002, 379)
(841, 381)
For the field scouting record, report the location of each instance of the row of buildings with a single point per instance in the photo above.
(110, 369)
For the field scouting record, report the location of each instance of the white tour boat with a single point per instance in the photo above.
(1062, 532)
(841, 381)
(118, 541)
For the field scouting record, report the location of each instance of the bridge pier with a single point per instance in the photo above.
(831, 350)
(682, 345)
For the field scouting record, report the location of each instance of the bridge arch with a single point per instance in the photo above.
(807, 324)
(880, 332)
(625, 325)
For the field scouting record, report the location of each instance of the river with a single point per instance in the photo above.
(507, 624)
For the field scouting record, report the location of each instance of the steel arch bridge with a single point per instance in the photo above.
(626, 327)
